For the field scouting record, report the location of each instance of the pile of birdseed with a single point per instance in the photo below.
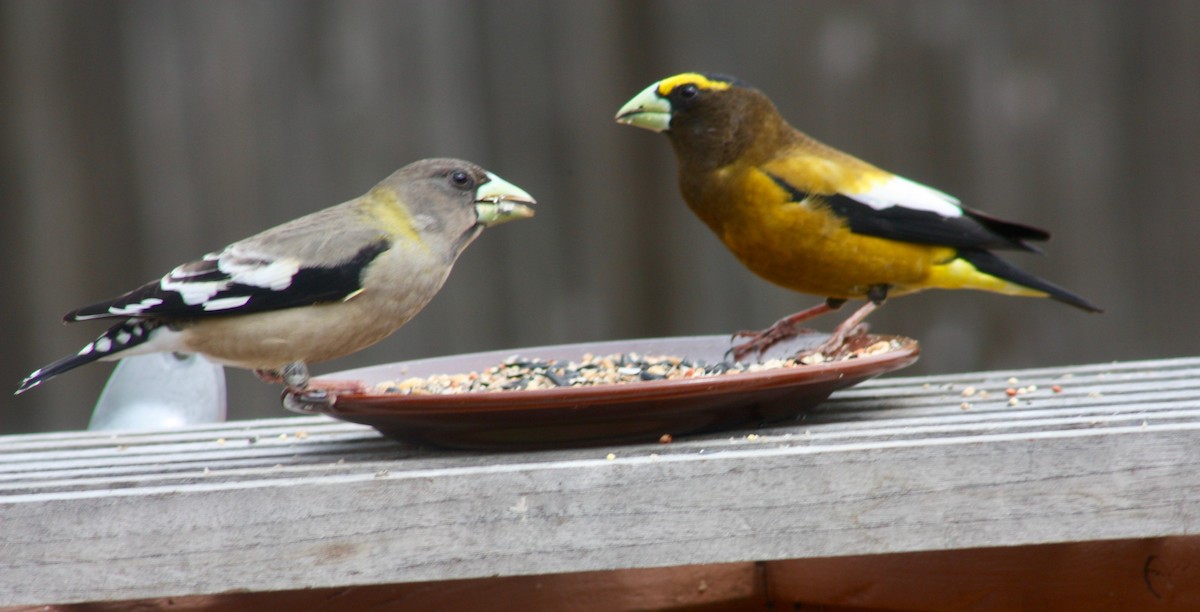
(519, 373)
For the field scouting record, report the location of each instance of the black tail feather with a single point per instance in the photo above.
(989, 263)
(118, 338)
(1018, 233)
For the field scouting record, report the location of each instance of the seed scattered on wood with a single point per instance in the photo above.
(519, 373)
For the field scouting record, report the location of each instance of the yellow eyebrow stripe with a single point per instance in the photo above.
(668, 84)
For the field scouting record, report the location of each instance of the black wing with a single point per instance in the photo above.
(970, 230)
(231, 282)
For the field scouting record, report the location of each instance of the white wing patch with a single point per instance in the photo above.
(235, 268)
(899, 191)
(191, 291)
(131, 310)
(258, 271)
(226, 303)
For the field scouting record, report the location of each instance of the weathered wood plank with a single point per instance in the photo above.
(894, 465)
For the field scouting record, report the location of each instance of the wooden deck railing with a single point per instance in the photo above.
(896, 465)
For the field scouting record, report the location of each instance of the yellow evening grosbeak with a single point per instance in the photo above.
(313, 289)
(811, 218)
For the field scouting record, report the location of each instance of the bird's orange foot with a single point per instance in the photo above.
(833, 346)
(783, 329)
(759, 341)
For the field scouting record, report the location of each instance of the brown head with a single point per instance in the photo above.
(712, 120)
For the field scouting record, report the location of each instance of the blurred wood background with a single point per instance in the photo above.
(137, 135)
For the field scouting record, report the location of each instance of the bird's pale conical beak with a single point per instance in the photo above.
(647, 110)
(499, 201)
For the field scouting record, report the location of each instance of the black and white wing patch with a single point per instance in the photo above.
(902, 210)
(237, 281)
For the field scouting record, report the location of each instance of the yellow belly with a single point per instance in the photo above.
(805, 253)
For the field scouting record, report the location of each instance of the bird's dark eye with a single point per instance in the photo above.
(461, 179)
(687, 92)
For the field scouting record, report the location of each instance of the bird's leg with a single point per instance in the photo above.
(293, 375)
(783, 329)
(841, 332)
(298, 396)
(851, 326)
(272, 377)
(301, 395)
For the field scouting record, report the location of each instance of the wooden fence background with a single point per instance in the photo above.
(136, 135)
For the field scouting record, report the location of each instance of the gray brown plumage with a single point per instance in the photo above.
(315, 288)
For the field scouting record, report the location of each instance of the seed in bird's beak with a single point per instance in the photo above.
(498, 201)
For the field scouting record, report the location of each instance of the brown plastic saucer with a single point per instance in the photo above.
(603, 414)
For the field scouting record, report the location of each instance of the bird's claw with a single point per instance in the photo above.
(760, 341)
(320, 396)
(834, 346)
(774, 331)
(754, 347)
(312, 401)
